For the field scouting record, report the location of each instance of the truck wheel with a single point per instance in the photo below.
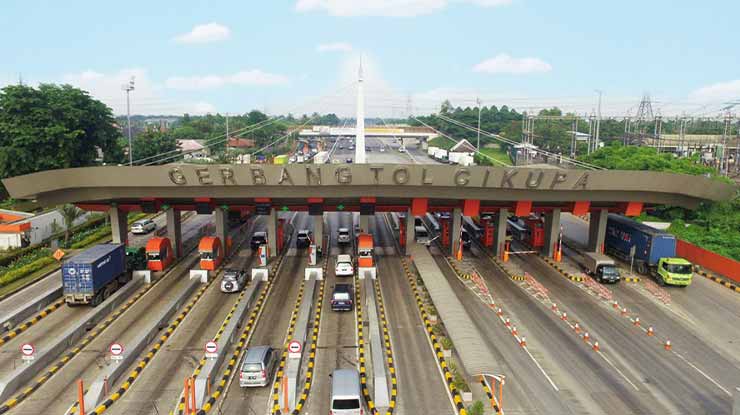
(96, 300)
(641, 268)
(660, 279)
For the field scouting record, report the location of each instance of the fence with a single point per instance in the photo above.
(709, 260)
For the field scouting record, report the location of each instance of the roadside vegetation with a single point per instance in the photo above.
(713, 226)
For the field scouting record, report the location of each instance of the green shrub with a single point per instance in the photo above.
(476, 408)
(446, 343)
(459, 381)
(22, 271)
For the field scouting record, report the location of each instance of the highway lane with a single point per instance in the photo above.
(153, 393)
(587, 383)
(53, 280)
(59, 392)
(421, 389)
(678, 386)
(270, 330)
(337, 343)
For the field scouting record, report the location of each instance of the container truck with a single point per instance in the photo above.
(93, 275)
(653, 251)
(599, 266)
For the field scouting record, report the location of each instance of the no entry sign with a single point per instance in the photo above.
(211, 349)
(27, 349)
(116, 351)
(294, 349)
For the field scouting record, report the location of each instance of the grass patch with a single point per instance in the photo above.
(501, 157)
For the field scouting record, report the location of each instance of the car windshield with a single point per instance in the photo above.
(343, 264)
(345, 404)
(610, 271)
(341, 296)
(678, 268)
(230, 277)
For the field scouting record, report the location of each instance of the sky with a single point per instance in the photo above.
(301, 56)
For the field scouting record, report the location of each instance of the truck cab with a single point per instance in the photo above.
(674, 271)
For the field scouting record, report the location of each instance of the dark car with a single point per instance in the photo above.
(258, 238)
(348, 161)
(342, 298)
(466, 240)
(303, 240)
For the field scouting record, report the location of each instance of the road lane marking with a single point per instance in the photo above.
(704, 374)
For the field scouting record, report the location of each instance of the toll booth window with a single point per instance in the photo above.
(153, 256)
(206, 255)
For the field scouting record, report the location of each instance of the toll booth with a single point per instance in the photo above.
(280, 234)
(365, 250)
(445, 225)
(211, 253)
(486, 237)
(402, 231)
(159, 254)
(536, 232)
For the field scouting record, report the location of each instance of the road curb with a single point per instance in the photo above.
(719, 280)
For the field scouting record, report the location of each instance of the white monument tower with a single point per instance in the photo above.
(360, 137)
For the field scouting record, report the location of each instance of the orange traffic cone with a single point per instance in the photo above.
(667, 345)
(577, 328)
(586, 337)
(596, 346)
(650, 331)
(637, 321)
(523, 342)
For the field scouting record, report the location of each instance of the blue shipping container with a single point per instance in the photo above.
(651, 244)
(93, 269)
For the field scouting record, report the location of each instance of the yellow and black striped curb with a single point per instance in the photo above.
(152, 352)
(488, 392)
(25, 326)
(718, 280)
(288, 337)
(10, 403)
(631, 279)
(517, 277)
(441, 361)
(388, 349)
(312, 355)
(361, 350)
(561, 270)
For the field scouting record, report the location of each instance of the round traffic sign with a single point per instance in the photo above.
(27, 349)
(294, 346)
(211, 347)
(116, 349)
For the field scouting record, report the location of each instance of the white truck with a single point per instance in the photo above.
(432, 150)
(321, 157)
(440, 155)
(599, 266)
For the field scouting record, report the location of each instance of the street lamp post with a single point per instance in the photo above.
(128, 88)
(477, 100)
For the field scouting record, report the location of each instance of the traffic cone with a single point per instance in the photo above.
(667, 345)
(508, 323)
(577, 328)
(500, 312)
(523, 342)
(513, 331)
(586, 337)
(596, 346)
(637, 321)
(616, 304)
(624, 311)
(650, 331)
(564, 316)
(554, 307)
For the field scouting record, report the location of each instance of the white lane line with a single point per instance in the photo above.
(554, 386)
(618, 371)
(704, 374)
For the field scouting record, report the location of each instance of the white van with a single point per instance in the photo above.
(346, 397)
(421, 235)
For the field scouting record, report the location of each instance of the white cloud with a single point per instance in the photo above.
(205, 33)
(147, 97)
(252, 77)
(505, 64)
(729, 90)
(334, 47)
(389, 8)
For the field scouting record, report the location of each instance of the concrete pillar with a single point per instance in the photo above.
(552, 232)
(410, 220)
(118, 225)
(455, 234)
(365, 223)
(222, 226)
(499, 234)
(318, 230)
(272, 222)
(597, 230)
(174, 230)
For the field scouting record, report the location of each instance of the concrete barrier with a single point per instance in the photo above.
(31, 307)
(366, 273)
(200, 274)
(96, 392)
(293, 365)
(260, 274)
(44, 357)
(316, 274)
(380, 380)
(230, 333)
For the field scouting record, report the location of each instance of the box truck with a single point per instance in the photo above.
(93, 275)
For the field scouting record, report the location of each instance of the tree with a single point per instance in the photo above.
(149, 144)
(70, 213)
(52, 127)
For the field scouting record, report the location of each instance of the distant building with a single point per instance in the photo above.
(240, 143)
(21, 229)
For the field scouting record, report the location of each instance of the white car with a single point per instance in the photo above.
(143, 226)
(343, 236)
(382, 149)
(344, 266)
(233, 281)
